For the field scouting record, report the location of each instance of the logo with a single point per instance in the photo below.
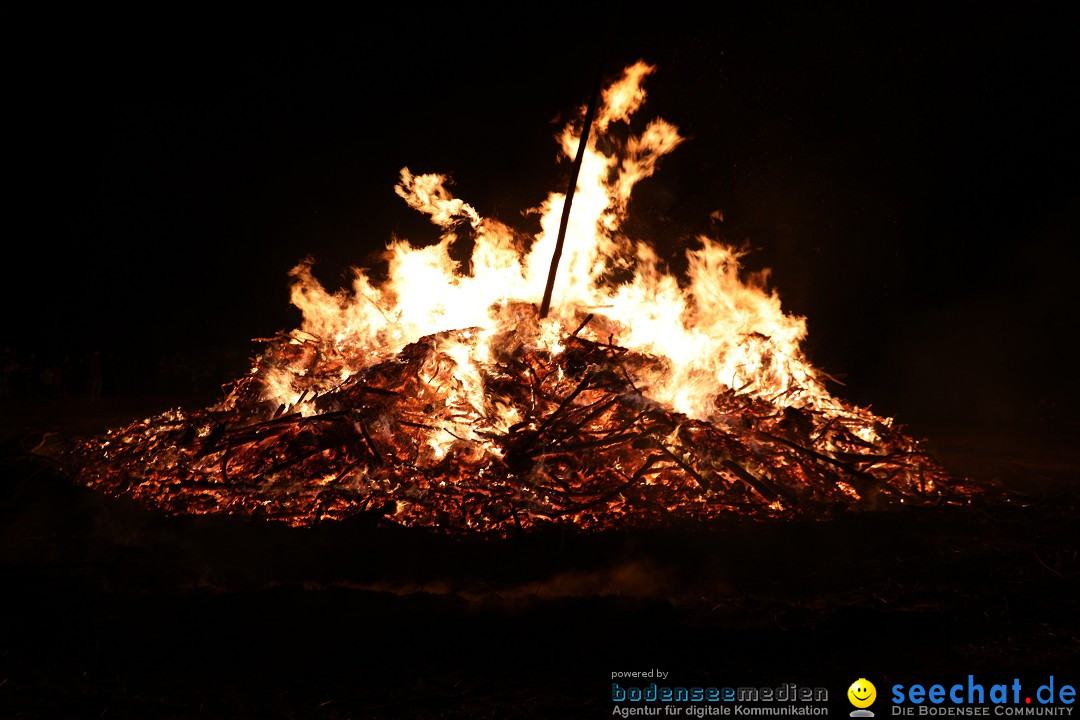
(862, 695)
(976, 698)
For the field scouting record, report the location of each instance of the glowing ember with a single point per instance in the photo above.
(440, 398)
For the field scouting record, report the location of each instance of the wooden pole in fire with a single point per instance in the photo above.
(590, 112)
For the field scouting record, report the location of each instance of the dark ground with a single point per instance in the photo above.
(117, 612)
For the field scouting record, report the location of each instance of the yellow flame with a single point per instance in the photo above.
(713, 330)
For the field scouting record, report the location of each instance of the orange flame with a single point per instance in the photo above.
(440, 398)
(713, 330)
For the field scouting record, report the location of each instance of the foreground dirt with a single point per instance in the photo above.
(115, 611)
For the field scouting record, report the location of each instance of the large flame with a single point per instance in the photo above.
(714, 330)
(438, 397)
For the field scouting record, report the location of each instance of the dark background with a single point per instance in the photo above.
(910, 174)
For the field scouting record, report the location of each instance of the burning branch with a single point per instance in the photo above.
(586, 126)
(589, 450)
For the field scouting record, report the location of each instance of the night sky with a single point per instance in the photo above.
(910, 175)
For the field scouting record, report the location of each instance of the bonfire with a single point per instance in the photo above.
(446, 395)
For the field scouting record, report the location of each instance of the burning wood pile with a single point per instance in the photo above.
(441, 398)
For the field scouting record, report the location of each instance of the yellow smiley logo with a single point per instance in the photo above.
(862, 693)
